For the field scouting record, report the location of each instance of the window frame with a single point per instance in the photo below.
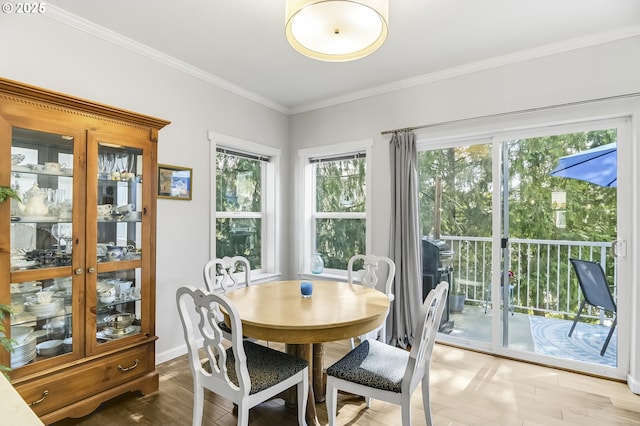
(308, 212)
(270, 259)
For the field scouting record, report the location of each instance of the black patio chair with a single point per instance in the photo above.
(595, 289)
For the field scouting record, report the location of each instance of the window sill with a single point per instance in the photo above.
(264, 277)
(323, 276)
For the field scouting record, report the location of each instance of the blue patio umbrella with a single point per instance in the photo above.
(597, 165)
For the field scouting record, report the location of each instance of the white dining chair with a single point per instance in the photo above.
(245, 373)
(221, 276)
(380, 371)
(368, 276)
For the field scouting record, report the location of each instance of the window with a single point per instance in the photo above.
(244, 199)
(336, 204)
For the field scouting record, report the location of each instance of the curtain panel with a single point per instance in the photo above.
(405, 238)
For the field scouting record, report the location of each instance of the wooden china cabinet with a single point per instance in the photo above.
(77, 254)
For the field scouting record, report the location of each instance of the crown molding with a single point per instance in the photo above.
(499, 61)
(551, 49)
(110, 36)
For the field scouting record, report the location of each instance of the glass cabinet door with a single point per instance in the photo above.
(115, 295)
(43, 245)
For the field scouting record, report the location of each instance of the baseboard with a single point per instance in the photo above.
(174, 352)
(633, 384)
(165, 356)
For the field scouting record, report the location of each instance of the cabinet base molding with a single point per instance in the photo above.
(145, 385)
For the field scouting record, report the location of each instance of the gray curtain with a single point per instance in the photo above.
(405, 238)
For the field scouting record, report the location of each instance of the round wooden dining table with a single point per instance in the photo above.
(277, 312)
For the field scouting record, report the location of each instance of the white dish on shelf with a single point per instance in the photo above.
(20, 333)
(24, 353)
(45, 310)
(109, 333)
(26, 287)
(22, 264)
(49, 347)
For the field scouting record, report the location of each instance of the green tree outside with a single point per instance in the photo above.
(590, 213)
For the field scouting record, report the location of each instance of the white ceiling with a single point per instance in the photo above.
(240, 44)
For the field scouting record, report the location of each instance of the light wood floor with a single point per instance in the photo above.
(467, 388)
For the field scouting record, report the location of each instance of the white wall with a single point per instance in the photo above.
(590, 73)
(40, 51)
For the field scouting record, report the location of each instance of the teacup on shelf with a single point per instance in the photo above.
(106, 293)
(115, 253)
(44, 297)
(105, 210)
(54, 167)
(124, 209)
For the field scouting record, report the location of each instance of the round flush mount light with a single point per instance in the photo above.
(336, 30)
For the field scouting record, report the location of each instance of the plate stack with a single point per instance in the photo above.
(20, 291)
(24, 351)
(45, 310)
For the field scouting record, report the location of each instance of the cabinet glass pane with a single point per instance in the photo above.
(119, 309)
(119, 228)
(41, 232)
(41, 322)
(42, 176)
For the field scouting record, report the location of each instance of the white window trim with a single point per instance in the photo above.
(305, 187)
(270, 199)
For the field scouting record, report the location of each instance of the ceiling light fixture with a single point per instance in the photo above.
(336, 30)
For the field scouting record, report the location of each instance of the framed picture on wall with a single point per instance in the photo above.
(174, 182)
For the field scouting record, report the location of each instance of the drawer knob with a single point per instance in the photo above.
(135, 364)
(44, 395)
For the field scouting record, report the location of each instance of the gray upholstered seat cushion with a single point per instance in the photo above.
(373, 364)
(266, 366)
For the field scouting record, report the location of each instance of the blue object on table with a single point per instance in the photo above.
(306, 288)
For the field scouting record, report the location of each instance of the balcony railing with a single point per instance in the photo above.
(544, 281)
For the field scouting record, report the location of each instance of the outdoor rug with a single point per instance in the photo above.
(551, 337)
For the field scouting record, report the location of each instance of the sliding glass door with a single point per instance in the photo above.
(514, 221)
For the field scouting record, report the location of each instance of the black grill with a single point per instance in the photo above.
(437, 259)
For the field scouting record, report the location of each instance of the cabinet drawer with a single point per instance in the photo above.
(70, 385)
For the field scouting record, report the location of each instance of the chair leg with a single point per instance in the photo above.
(198, 404)
(353, 343)
(331, 401)
(606, 342)
(303, 395)
(243, 415)
(426, 402)
(575, 321)
(406, 411)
